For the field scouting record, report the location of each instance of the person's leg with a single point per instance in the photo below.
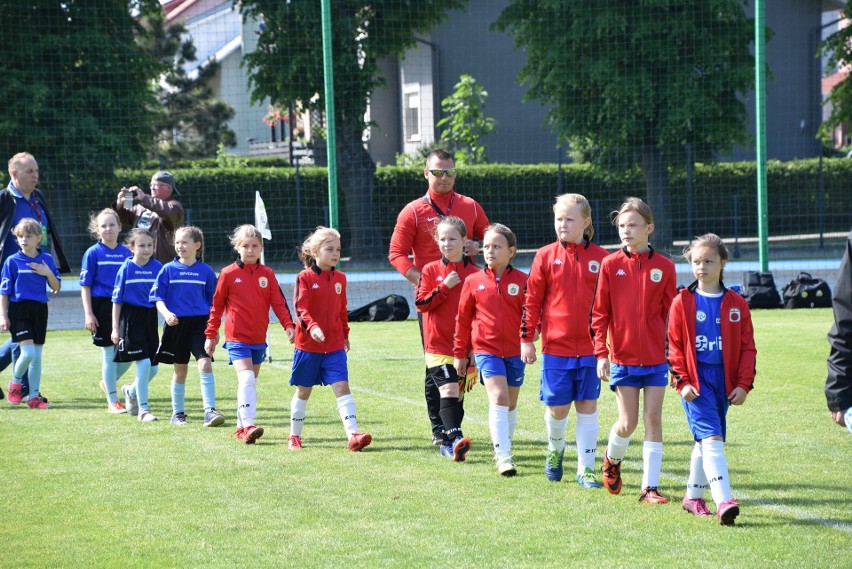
(498, 416)
(652, 451)
(246, 392)
(179, 389)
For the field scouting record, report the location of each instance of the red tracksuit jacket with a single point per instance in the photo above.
(320, 300)
(440, 305)
(738, 350)
(560, 291)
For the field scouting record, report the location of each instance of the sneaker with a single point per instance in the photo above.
(506, 467)
(15, 395)
(611, 475)
(359, 440)
(146, 416)
(130, 403)
(460, 448)
(294, 442)
(446, 450)
(238, 434)
(727, 512)
(553, 465)
(116, 408)
(437, 439)
(696, 507)
(650, 495)
(213, 418)
(251, 434)
(179, 419)
(588, 479)
(38, 403)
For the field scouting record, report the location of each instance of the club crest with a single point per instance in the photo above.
(656, 275)
(594, 267)
(513, 289)
(338, 288)
(263, 282)
(734, 315)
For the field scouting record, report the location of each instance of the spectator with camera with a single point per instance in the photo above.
(159, 212)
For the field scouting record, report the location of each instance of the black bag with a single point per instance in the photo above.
(805, 291)
(759, 290)
(389, 308)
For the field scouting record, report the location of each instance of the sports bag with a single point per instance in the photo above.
(805, 291)
(759, 290)
(386, 309)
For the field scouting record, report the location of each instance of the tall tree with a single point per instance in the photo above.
(465, 123)
(838, 48)
(288, 65)
(639, 82)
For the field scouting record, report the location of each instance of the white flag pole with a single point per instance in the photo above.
(261, 221)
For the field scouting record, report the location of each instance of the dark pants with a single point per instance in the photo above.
(433, 396)
(9, 353)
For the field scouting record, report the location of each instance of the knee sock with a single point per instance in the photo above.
(433, 405)
(346, 408)
(652, 463)
(108, 373)
(555, 432)
(22, 364)
(451, 417)
(697, 483)
(246, 398)
(716, 469)
(140, 386)
(498, 424)
(208, 390)
(513, 421)
(152, 372)
(298, 412)
(587, 441)
(617, 446)
(121, 368)
(178, 397)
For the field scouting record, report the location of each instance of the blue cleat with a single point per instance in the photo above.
(446, 450)
(553, 465)
(588, 479)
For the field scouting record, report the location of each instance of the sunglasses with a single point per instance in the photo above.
(439, 173)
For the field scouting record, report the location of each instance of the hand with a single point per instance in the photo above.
(688, 393)
(737, 396)
(346, 345)
(114, 337)
(317, 334)
(291, 334)
(836, 416)
(91, 323)
(452, 280)
(413, 275)
(471, 248)
(528, 353)
(210, 345)
(603, 369)
(171, 319)
(4, 326)
(469, 380)
(40, 268)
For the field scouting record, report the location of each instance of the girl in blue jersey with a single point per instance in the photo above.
(97, 279)
(23, 304)
(183, 292)
(134, 320)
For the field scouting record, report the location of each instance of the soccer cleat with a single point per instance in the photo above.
(611, 475)
(650, 495)
(553, 465)
(38, 403)
(588, 479)
(727, 512)
(294, 442)
(505, 467)
(130, 403)
(213, 418)
(460, 447)
(696, 507)
(446, 450)
(146, 416)
(238, 434)
(251, 434)
(179, 419)
(116, 408)
(359, 440)
(15, 394)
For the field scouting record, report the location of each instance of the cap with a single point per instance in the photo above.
(166, 178)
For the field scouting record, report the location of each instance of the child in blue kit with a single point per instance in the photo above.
(97, 279)
(183, 292)
(134, 320)
(23, 304)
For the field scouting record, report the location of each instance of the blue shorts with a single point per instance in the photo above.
(310, 369)
(565, 380)
(638, 376)
(706, 413)
(511, 368)
(240, 351)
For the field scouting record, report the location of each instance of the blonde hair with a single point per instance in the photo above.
(454, 222)
(712, 241)
(93, 221)
(196, 235)
(243, 233)
(16, 160)
(568, 200)
(313, 241)
(134, 235)
(637, 205)
(27, 226)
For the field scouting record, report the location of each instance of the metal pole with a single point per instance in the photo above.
(760, 132)
(330, 132)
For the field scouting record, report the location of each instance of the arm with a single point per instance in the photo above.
(534, 294)
(4, 312)
(91, 322)
(344, 316)
(300, 295)
(431, 297)
(675, 351)
(282, 311)
(217, 308)
(170, 211)
(167, 314)
(116, 315)
(838, 383)
(401, 243)
(748, 359)
(464, 320)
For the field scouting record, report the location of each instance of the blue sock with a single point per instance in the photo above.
(208, 390)
(35, 371)
(108, 373)
(153, 372)
(120, 369)
(178, 397)
(25, 363)
(140, 386)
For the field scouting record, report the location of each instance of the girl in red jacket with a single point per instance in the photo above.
(322, 336)
(489, 318)
(244, 293)
(558, 298)
(632, 299)
(711, 355)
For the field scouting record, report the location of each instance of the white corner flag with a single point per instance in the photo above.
(260, 219)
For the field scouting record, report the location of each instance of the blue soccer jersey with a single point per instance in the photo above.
(133, 283)
(100, 265)
(20, 282)
(187, 290)
(708, 327)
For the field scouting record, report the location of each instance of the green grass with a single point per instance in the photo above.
(86, 489)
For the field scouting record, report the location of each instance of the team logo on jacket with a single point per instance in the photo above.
(513, 289)
(656, 275)
(263, 282)
(700, 316)
(557, 262)
(594, 267)
(338, 288)
(734, 315)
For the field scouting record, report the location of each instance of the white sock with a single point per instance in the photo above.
(587, 441)
(697, 483)
(513, 422)
(498, 424)
(346, 408)
(246, 398)
(298, 411)
(616, 448)
(555, 432)
(652, 463)
(716, 469)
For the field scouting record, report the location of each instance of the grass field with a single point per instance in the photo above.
(82, 488)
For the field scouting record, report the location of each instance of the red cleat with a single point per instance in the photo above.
(611, 475)
(359, 440)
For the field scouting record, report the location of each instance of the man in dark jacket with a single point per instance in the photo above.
(159, 212)
(838, 385)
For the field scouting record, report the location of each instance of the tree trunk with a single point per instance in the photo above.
(656, 174)
(355, 170)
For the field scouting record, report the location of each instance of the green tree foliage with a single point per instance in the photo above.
(465, 123)
(288, 66)
(838, 48)
(639, 83)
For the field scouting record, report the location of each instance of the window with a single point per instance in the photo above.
(411, 112)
